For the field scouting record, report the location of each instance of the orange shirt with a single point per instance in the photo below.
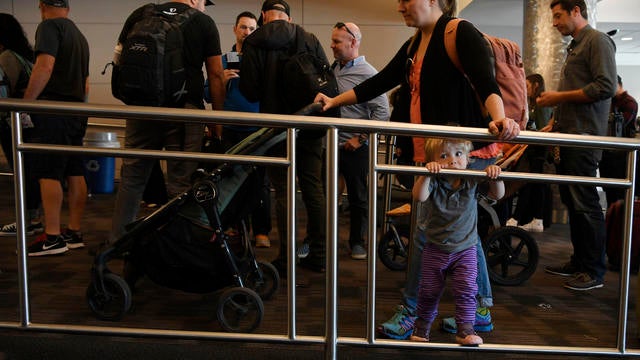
(414, 111)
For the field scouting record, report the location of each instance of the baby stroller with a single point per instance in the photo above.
(196, 243)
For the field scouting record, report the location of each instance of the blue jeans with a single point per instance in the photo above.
(410, 291)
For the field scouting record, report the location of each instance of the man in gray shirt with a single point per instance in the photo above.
(351, 69)
(587, 83)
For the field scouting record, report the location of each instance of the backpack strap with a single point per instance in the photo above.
(450, 47)
(450, 43)
(301, 46)
(491, 149)
(26, 65)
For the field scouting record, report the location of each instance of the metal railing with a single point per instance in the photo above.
(332, 125)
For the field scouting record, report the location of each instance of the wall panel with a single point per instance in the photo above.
(383, 28)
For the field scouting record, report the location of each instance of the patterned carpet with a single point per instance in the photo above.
(537, 313)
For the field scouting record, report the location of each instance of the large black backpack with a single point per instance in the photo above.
(150, 70)
(305, 75)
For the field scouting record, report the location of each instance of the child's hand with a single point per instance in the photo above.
(433, 167)
(493, 171)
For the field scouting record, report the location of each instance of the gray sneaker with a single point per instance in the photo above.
(303, 250)
(12, 229)
(358, 252)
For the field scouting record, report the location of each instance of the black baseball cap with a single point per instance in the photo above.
(56, 3)
(275, 5)
(208, 2)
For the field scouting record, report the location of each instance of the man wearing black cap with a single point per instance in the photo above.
(201, 45)
(261, 80)
(60, 73)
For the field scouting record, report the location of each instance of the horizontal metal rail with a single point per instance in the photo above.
(308, 122)
(331, 340)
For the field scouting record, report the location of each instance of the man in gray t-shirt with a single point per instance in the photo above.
(60, 73)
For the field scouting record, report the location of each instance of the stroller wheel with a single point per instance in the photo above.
(112, 302)
(240, 310)
(264, 280)
(393, 248)
(512, 255)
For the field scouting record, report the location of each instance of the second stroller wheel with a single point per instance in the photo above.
(393, 248)
(240, 310)
(112, 302)
(512, 255)
(264, 280)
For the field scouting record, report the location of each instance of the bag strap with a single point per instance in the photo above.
(450, 32)
(450, 43)
(26, 65)
(412, 43)
(301, 46)
(450, 47)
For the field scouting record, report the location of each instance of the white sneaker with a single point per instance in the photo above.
(534, 226)
(512, 222)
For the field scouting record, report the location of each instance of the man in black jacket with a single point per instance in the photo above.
(264, 52)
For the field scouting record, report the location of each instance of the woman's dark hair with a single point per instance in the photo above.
(536, 79)
(12, 37)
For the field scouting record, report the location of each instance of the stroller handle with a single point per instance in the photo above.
(315, 107)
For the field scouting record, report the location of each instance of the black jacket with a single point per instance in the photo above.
(263, 57)
(446, 96)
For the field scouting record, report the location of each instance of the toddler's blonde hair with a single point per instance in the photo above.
(433, 147)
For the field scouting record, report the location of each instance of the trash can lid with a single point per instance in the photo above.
(101, 139)
(101, 136)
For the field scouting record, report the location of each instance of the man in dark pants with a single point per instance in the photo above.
(261, 80)
(246, 23)
(582, 106)
(351, 69)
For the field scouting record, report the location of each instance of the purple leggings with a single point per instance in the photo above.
(463, 269)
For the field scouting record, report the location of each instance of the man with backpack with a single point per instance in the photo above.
(189, 38)
(266, 53)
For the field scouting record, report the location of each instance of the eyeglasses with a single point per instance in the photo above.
(340, 25)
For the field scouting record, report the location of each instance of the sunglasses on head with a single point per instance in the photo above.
(340, 25)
